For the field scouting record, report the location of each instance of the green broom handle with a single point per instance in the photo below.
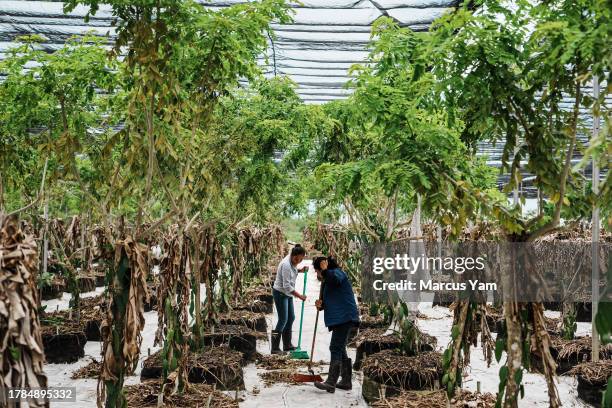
(302, 314)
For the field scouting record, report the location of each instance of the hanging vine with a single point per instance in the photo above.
(122, 327)
(21, 350)
(173, 296)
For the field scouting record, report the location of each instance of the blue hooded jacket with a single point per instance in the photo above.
(338, 299)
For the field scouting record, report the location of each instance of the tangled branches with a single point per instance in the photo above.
(338, 241)
(250, 250)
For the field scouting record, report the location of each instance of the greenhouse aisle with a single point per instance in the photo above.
(435, 321)
(258, 395)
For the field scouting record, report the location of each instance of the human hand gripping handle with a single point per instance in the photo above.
(299, 295)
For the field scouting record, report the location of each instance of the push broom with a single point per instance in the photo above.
(298, 353)
(312, 377)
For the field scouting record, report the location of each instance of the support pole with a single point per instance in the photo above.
(46, 238)
(595, 230)
(515, 191)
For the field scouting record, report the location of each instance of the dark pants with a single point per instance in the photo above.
(284, 308)
(339, 338)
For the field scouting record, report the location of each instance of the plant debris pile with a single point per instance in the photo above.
(219, 365)
(258, 293)
(145, 395)
(370, 322)
(228, 330)
(374, 340)
(437, 399)
(565, 349)
(254, 321)
(370, 341)
(92, 312)
(59, 323)
(277, 362)
(415, 399)
(409, 372)
(277, 376)
(91, 370)
(597, 373)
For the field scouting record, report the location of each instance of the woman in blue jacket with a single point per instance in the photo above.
(341, 315)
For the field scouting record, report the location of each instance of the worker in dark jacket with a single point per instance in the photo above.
(341, 314)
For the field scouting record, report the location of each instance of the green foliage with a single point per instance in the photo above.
(181, 60)
(508, 83)
(44, 279)
(293, 227)
(406, 329)
(264, 135)
(569, 324)
(56, 108)
(391, 141)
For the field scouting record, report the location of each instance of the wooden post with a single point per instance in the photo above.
(515, 191)
(46, 238)
(595, 231)
(197, 241)
(83, 230)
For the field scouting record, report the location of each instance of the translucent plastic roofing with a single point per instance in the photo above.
(316, 50)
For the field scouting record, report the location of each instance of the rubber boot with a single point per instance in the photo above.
(276, 338)
(287, 346)
(330, 384)
(346, 381)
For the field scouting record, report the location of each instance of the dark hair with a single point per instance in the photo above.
(317, 262)
(331, 262)
(298, 250)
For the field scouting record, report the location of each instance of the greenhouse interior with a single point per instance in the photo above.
(315, 203)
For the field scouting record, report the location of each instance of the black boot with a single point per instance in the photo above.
(287, 346)
(330, 384)
(346, 382)
(276, 338)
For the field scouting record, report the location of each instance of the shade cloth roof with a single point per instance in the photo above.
(325, 38)
(316, 50)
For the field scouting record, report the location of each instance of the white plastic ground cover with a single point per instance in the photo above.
(439, 324)
(303, 395)
(54, 305)
(256, 394)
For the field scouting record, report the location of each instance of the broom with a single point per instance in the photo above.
(298, 353)
(312, 377)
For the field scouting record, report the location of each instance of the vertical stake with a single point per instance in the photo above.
(595, 230)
